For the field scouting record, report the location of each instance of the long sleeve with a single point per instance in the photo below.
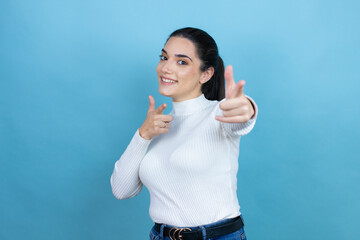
(125, 181)
(239, 129)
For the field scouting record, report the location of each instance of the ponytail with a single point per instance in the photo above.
(214, 89)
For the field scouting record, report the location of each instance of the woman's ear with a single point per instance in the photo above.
(206, 75)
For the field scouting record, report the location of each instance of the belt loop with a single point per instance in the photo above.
(162, 231)
(203, 230)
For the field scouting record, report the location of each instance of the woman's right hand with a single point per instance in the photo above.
(156, 122)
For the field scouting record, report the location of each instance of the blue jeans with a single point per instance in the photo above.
(238, 235)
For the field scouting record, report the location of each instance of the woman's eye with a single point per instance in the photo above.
(162, 58)
(181, 62)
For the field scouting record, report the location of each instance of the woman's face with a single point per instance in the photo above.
(178, 70)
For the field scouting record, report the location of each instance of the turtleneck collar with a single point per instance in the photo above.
(189, 106)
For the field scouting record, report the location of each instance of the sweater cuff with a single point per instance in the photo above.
(139, 140)
(255, 107)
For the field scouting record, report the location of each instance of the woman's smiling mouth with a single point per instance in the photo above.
(166, 81)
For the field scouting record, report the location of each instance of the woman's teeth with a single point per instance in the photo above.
(168, 80)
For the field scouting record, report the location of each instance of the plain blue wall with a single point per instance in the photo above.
(74, 81)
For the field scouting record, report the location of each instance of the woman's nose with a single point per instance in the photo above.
(166, 68)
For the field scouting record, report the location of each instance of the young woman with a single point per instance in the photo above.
(188, 159)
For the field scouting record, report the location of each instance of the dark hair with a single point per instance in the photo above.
(207, 51)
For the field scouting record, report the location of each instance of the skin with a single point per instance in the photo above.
(237, 108)
(185, 70)
(179, 62)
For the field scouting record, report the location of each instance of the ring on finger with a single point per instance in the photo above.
(165, 124)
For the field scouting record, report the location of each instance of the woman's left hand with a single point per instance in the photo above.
(237, 108)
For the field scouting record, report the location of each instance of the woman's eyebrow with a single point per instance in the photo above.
(178, 55)
(182, 55)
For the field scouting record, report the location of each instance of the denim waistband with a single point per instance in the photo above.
(201, 228)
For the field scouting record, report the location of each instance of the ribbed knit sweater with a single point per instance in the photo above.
(190, 171)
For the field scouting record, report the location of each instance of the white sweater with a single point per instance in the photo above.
(190, 171)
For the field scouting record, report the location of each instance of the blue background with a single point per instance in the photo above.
(74, 83)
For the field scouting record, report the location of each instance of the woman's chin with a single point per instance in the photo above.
(165, 93)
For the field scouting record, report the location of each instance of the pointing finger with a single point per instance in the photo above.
(239, 89)
(161, 108)
(230, 83)
(151, 103)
